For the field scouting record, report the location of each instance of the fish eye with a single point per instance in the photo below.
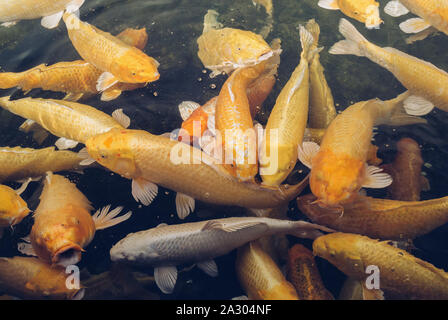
(102, 156)
(133, 73)
(356, 12)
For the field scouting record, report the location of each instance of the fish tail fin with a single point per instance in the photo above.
(398, 114)
(10, 79)
(314, 29)
(353, 40)
(104, 218)
(307, 41)
(308, 230)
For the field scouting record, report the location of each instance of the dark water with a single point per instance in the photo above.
(173, 27)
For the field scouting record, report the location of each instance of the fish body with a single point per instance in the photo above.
(12, 207)
(380, 218)
(321, 110)
(304, 275)
(427, 83)
(287, 122)
(63, 225)
(400, 273)
(406, 172)
(65, 119)
(31, 278)
(338, 167)
(260, 276)
(76, 78)
(14, 10)
(20, 163)
(137, 154)
(431, 12)
(234, 122)
(365, 11)
(227, 49)
(120, 61)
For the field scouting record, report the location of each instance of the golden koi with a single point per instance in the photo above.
(322, 110)
(119, 61)
(338, 167)
(427, 83)
(380, 218)
(401, 273)
(406, 172)
(431, 12)
(72, 122)
(287, 121)
(304, 275)
(150, 160)
(12, 207)
(30, 278)
(63, 225)
(76, 78)
(235, 124)
(226, 49)
(20, 163)
(365, 11)
(12, 11)
(260, 276)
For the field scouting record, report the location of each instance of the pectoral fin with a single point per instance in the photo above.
(105, 218)
(165, 278)
(414, 25)
(73, 96)
(121, 118)
(9, 24)
(209, 267)
(64, 143)
(307, 152)
(105, 81)
(418, 106)
(26, 248)
(186, 108)
(184, 205)
(51, 22)
(83, 154)
(110, 94)
(144, 191)
(328, 4)
(395, 9)
(375, 178)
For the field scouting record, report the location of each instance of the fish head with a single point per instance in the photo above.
(136, 67)
(135, 248)
(280, 164)
(340, 249)
(113, 150)
(12, 207)
(336, 179)
(366, 11)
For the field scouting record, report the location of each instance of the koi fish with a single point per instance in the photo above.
(76, 78)
(20, 163)
(12, 207)
(63, 225)
(31, 278)
(401, 273)
(406, 172)
(72, 122)
(235, 124)
(427, 83)
(338, 167)
(321, 110)
(304, 275)
(151, 160)
(380, 218)
(227, 49)
(167, 246)
(431, 12)
(260, 276)
(287, 122)
(12, 11)
(119, 61)
(365, 11)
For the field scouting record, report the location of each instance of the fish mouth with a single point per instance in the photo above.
(67, 255)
